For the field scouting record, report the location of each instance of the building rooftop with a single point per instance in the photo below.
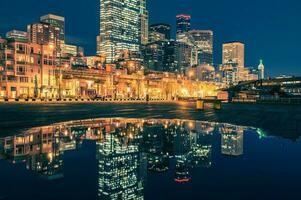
(52, 16)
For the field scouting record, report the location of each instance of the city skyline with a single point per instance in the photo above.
(260, 36)
(150, 99)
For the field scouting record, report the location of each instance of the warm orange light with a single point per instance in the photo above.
(50, 156)
(51, 46)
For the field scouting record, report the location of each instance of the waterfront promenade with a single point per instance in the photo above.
(284, 120)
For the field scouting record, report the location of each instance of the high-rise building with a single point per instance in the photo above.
(234, 52)
(153, 55)
(202, 45)
(170, 57)
(156, 37)
(44, 34)
(72, 50)
(120, 27)
(58, 22)
(98, 39)
(183, 23)
(162, 28)
(144, 22)
(203, 40)
(161, 56)
(229, 73)
(261, 70)
(184, 51)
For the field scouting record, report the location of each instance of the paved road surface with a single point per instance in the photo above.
(276, 119)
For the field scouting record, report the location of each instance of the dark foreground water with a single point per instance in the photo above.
(123, 159)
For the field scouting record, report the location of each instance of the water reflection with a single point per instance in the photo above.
(126, 150)
(232, 140)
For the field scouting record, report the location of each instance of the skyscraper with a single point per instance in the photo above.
(184, 52)
(170, 57)
(156, 37)
(58, 22)
(44, 34)
(153, 55)
(202, 40)
(234, 52)
(183, 23)
(120, 27)
(201, 46)
(162, 28)
(144, 22)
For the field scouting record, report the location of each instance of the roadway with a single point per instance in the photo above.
(284, 120)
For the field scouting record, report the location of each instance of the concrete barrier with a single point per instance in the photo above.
(84, 100)
(200, 104)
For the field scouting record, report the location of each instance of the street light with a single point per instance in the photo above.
(51, 47)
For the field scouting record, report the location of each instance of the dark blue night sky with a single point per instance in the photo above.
(271, 29)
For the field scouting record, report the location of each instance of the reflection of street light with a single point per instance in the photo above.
(131, 64)
(191, 74)
(50, 156)
(190, 125)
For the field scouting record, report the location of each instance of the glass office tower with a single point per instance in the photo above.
(183, 23)
(58, 22)
(120, 28)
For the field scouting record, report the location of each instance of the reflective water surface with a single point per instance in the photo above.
(148, 159)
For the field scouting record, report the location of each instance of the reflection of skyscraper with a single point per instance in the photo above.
(182, 141)
(232, 140)
(126, 148)
(181, 150)
(154, 147)
(201, 150)
(119, 166)
(182, 170)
